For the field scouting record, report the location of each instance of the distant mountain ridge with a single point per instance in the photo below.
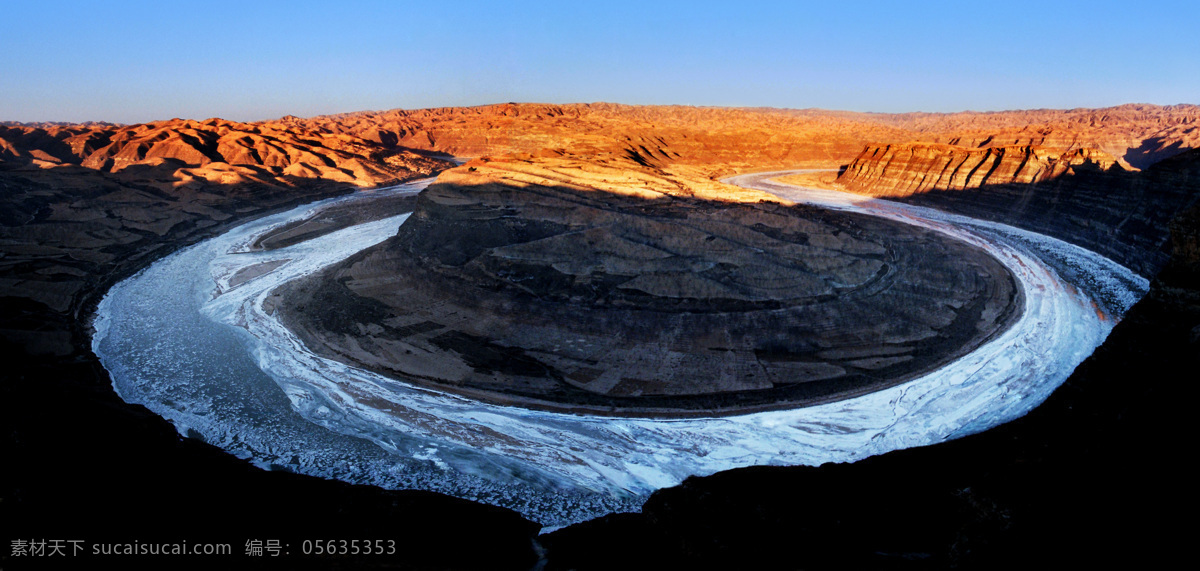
(215, 149)
(1136, 134)
(372, 147)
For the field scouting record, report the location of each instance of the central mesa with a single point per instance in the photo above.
(621, 288)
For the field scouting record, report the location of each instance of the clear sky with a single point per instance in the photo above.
(252, 59)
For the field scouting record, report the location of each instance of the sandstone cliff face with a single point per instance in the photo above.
(1079, 196)
(911, 168)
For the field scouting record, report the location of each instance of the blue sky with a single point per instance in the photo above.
(250, 60)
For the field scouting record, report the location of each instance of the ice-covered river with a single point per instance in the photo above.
(192, 342)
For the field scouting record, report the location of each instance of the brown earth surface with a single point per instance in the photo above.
(1138, 135)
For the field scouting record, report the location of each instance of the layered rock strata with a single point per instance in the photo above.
(613, 287)
(699, 136)
(1080, 196)
(911, 168)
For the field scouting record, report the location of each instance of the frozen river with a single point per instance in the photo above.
(188, 338)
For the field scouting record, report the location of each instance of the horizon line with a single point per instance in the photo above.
(100, 122)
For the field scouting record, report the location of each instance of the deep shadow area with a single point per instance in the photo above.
(1153, 150)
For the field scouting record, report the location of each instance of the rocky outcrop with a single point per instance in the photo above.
(56, 144)
(1079, 196)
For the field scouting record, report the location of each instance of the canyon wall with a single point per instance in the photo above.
(1082, 196)
(912, 168)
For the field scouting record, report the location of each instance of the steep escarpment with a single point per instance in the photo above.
(1080, 196)
(600, 284)
(912, 168)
